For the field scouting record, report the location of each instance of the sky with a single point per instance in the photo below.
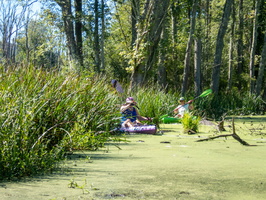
(36, 6)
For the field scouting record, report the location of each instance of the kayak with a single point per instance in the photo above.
(144, 129)
(169, 120)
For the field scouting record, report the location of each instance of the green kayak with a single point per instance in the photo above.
(169, 120)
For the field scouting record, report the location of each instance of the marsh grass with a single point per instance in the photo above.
(41, 110)
(229, 103)
(154, 102)
(46, 113)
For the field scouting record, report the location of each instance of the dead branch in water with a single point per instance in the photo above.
(234, 135)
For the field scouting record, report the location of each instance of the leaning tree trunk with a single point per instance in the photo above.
(149, 33)
(253, 47)
(187, 63)
(219, 46)
(261, 68)
(69, 31)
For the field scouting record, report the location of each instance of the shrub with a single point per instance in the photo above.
(190, 123)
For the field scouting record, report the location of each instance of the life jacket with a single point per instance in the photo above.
(129, 114)
(182, 109)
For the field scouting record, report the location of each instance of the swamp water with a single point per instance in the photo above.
(168, 166)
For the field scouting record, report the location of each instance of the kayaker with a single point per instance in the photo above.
(130, 114)
(183, 107)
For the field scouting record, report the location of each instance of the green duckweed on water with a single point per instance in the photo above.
(171, 165)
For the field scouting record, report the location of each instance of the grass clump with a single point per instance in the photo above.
(42, 110)
(190, 123)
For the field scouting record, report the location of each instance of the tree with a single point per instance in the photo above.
(96, 37)
(239, 35)
(187, 67)
(102, 35)
(74, 53)
(231, 50)
(135, 12)
(38, 44)
(259, 80)
(219, 46)
(253, 47)
(148, 37)
(78, 30)
(11, 21)
(197, 69)
(162, 59)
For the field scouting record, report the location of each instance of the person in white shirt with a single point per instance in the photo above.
(183, 107)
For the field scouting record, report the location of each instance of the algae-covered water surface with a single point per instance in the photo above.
(171, 165)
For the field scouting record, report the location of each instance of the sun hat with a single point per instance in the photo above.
(182, 99)
(130, 100)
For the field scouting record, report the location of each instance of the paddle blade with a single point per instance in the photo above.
(163, 116)
(206, 92)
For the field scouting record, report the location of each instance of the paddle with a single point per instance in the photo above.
(117, 86)
(205, 93)
(163, 116)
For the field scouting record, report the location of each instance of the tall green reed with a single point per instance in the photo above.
(155, 102)
(39, 112)
(229, 103)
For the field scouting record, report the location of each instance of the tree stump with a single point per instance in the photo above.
(220, 126)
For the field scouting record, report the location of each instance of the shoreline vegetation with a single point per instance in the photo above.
(45, 115)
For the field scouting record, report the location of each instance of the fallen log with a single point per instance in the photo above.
(234, 135)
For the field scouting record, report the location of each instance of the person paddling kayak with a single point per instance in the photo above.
(130, 114)
(183, 107)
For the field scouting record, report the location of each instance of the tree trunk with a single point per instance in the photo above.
(253, 47)
(135, 12)
(161, 63)
(197, 70)
(148, 38)
(96, 37)
(231, 50)
(187, 64)
(69, 31)
(219, 46)
(103, 34)
(78, 31)
(261, 68)
(206, 47)
(240, 57)
(175, 12)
